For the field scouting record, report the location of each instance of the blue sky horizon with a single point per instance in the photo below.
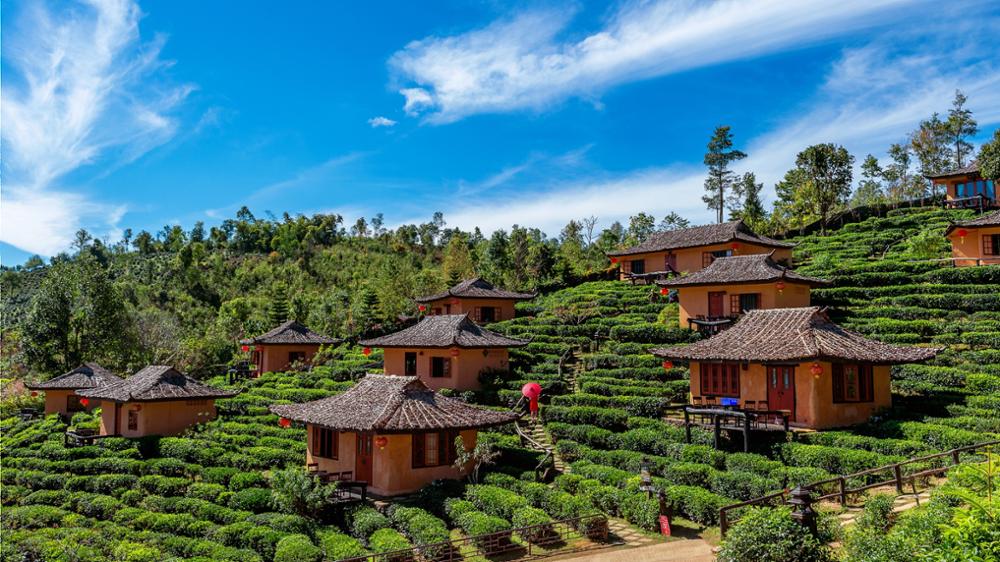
(118, 114)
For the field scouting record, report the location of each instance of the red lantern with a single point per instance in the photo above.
(816, 370)
(454, 352)
(244, 348)
(422, 308)
(285, 422)
(780, 286)
(664, 291)
(667, 365)
(614, 260)
(381, 441)
(962, 233)
(34, 393)
(366, 351)
(454, 301)
(736, 246)
(84, 402)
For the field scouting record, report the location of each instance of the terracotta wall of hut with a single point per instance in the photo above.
(393, 472)
(691, 259)
(56, 402)
(346, 452)
(274, 357)
(971, 248)
(694, 300)
(465, 368)
(156, 418)
(468, 306)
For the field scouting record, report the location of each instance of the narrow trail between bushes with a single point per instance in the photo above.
(901, 503)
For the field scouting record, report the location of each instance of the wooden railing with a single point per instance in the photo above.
(980, 201)
(842, 483)
(556, 537)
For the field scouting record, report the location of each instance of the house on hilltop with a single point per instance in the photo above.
(692, 249)
(283, 346)
(975, 241)
(795, 360)
(61, 392)
(392, 432)
(965, 187)
(157, 400)
(446, 351)
(731, 286)
(478, 298)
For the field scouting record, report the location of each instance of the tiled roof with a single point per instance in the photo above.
(971, 168)
(792, 334)
(157, 382)
(706, 235)
(444, 330)
(391, 403)
(88, 375)
(291, 332)
(752, 268)
(477, 288)
(984, 220)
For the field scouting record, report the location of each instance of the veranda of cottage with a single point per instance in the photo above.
(446, 351)
(715, 296)
(392, 432)
(797, 361)
(691, 249)
(976, 241)
(283, 346)
(157, 400)
(966, 188)
(61, 392)
(478, 298)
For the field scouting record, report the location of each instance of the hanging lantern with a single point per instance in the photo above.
(614, 260)
(736, 246)
(780, 286)
(664, 291)
(962, 233)
(667, 365)
(454, 352)
(285, 422)
(381, 441)
(454, 300)
(422, 308)
(34, 393)
(84, 402)
(816, 370)
(244, 348)
(137, 407)
(366, 351)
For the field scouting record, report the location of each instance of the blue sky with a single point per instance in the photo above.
(121, 115)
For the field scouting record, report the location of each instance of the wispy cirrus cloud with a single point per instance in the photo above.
(381, 121)
(525, 62)
(872, 96)
(84, 90)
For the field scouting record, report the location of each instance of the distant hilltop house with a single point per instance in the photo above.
(157, 400)
(61, 392)
(446, 351)
(692, 249)
(976, 241)
(392, 432)
(478, 298)
(796, 361)
(284, 346)
(965, 187)
(731, 286)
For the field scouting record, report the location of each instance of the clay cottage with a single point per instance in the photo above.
(61, 392)
(278, 349)
(478, 298)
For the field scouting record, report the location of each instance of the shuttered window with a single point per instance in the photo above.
(853, 383)
(440, 367)
(991, 244)
(325, 443)
(436, 448)
(720, 379)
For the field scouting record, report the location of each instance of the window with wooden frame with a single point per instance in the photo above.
(744, 302)
(440, 367)
(133, 420)
(486, 314)
(325, 443)
(296, 356)
(638, 266)
(991, 244)
(708, 257)
(433, 448)
(853, 383)
(410, 363)
(73, 403)
(720, 379)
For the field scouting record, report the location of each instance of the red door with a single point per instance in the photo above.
(715, 301)
(781, 388)
(363, 458)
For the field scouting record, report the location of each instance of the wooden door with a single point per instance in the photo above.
(363, 458)
(715, 300)
(781, 388)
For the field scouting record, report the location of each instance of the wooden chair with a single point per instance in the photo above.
(347, 476)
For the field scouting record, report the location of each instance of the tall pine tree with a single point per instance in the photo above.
(960, 126)
(718, 158)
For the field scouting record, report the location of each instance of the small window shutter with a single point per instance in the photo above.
(447, 367)
(838, 382)
(988, 248)
(418, 450)
(443, 448)
(496, 314)
(478, 314)
(734, 305)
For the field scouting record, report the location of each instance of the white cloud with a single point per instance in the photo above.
(524, 62)
(78, 95)
(871, 98)
(381, 121)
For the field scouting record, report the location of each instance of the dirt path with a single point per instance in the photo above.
(686, 550)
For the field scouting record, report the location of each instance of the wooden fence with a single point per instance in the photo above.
(556, 537)
(846, 485)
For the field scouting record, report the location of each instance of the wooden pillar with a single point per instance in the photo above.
(718, 431)
(746, 433)
(687, 425)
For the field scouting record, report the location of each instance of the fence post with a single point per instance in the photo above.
(718, 431)
(746, 433)
(723, 521)
(843, 490)
(954, 456)
(687, 424)
(898, 473)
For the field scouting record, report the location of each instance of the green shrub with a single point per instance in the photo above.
(164, 485)
(242, 480)
(365, 521)
(296, 548)
(494, 500)
(338, 546)
(877, 514)
(257, 500)
(535, 518)
(771, 535)
(387, 540)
